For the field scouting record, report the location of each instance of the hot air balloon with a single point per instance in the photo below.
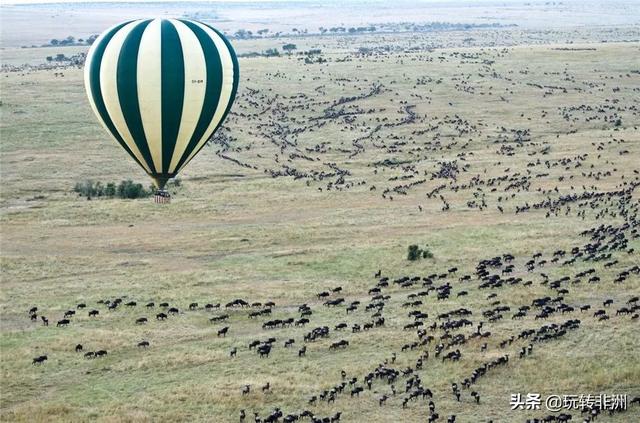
(161, 88)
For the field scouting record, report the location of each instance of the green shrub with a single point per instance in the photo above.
(131, 190)
(110, 190)
(125, 189)
(414, 253)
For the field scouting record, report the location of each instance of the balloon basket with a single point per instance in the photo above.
(162, 197)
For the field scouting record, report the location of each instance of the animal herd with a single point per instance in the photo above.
(423, 138)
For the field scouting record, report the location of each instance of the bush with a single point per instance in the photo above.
(110, 190)
(125, 189)
(416, 253)
(131, 190)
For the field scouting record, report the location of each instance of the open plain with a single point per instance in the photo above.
(510, 157)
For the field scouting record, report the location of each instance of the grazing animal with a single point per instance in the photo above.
(476, 395)
(340, 344)
(63, 322)
(79, 348)
(223, 332)
(264, 350)
(40, 359)
(143, 344)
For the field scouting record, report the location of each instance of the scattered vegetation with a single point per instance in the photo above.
(272, 52)
(125, 189)
(72, 41)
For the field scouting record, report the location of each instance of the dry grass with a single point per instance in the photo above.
(260, 238)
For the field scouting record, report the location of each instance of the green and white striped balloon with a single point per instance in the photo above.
(161, 87)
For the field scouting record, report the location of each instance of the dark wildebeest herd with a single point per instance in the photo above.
(445, 337)
(448, 161)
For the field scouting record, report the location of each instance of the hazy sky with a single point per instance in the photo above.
(8, 2)
(115, 1)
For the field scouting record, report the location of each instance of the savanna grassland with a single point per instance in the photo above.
(330, 165)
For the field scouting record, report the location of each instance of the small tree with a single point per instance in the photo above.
(289, 47)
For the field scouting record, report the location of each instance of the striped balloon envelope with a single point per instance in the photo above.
(161, 87)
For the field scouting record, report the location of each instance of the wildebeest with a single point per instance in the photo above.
(264, 350)
(340, 344)
(40, 359)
